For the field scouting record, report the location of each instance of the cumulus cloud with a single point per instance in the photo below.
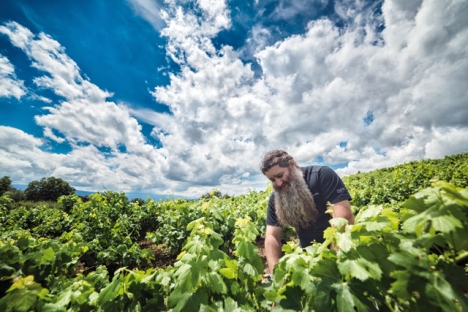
(387, 94)
(96, 129)
(22, 157)
(10, 85)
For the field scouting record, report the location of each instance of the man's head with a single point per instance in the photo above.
(276, 157)
(293, 201)
(276, 166)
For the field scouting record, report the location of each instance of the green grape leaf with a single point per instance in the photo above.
(446, 224)
(327, 270)
(344, 241)
(187, 302)
(230, 305)
(338, 223)
(250, 270)
(231, 270)
(216, 283)
(246, 250)
(416, 224)
(441, 293)
(400, 286)
(329, 233)
(360, 268)
(292, 298)
(301, 278)
(22, 299)
(369, 213)
(415, 204)
(187, 276)
(178, 299)
(392, 217)
(403, 259)
(194, 246)
(47, 255)
(111, 291)
(64, 298)
(23, 242)
(344, 298)
(374, 226)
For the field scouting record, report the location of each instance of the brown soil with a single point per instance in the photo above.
(163, 258)
(260, 243)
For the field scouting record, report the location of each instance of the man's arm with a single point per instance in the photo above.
(342, 209)
(273, 245)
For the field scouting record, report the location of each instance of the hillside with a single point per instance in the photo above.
(406, 252)
(395, 184)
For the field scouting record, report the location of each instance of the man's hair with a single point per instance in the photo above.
(275, 157)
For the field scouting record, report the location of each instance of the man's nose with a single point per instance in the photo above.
(279, 182)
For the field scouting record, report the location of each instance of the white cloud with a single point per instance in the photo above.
(150, 10)
(446, 142)
(49, 56)
(22, 158)
(48, 133)
(317, 89)
(10, 85)
(96, 129)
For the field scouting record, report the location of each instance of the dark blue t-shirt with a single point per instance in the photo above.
(325, 186)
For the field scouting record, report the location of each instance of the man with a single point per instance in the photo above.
(300, 199)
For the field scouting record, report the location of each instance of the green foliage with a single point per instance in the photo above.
(396, 184)
(407, 251)
(138, 201)
(214, 193)
(15, 195)
(379, 267)
(5, 185)
(47, 189)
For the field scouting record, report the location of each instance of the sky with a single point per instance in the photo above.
(179, 98)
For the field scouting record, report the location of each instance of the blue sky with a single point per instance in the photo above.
(180, 97)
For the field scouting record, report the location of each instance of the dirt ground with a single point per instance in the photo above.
(164, 259)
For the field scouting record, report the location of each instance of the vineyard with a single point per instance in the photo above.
(407, 251)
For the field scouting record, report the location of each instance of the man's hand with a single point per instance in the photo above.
(267, 278)
(273, 245)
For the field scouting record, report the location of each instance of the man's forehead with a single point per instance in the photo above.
(275, 170)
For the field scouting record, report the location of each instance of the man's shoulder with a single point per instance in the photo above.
(312, 167)
(310, 174)
(308, 170)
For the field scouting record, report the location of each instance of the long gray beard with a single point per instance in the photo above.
(295, 205)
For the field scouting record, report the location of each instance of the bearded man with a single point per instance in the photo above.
(300, 199)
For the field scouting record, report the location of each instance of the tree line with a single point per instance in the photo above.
(46, 189)
(50, 189)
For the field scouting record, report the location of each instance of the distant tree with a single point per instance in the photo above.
(5, 185)
(16, 195)
(48, 189)
(139, 201)
(84, 199)
(215, 193)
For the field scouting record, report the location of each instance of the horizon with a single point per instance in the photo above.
(157, 197)
(167, 97)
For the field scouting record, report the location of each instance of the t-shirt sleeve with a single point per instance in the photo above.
(271, 212)
(331, 186)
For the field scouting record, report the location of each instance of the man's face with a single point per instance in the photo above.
(279, 176)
